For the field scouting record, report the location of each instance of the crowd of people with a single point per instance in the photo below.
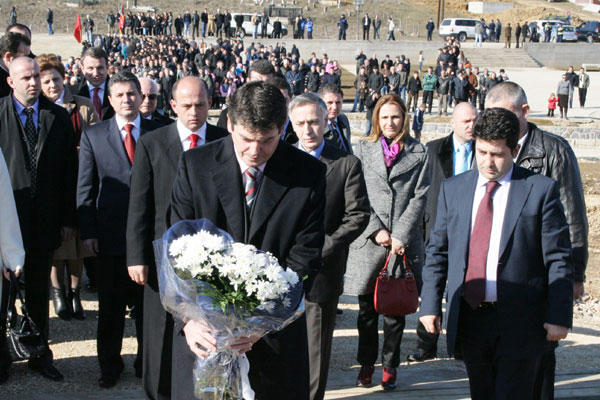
(99, 168)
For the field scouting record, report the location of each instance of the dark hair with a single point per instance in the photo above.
(262, 67)
(10, 43)
(497, 124)
(124, 77)
(258, 106)
(330, 88)
(281, 84)
(94, 52)
(18, 25)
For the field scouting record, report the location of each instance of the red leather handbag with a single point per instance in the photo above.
(396, 296)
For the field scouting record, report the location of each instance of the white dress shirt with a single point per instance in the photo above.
(184, 135)
(521, 144)
(499, 199)
(135, 132)
(244, 167)
(61, 99)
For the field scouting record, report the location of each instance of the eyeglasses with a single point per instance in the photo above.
(150, 96)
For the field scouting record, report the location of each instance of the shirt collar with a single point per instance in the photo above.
(316, 153)
(184, 132)
(244, 166)
(61, 99)
(136, 122)
(457, 144)
(91, 88)
(20, 107)
(522, 144)
(481, 180)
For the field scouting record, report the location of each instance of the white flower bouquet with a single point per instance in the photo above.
(233, 288)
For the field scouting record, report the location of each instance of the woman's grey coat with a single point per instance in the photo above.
(397, 204)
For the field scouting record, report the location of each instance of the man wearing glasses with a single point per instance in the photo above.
(150, 102)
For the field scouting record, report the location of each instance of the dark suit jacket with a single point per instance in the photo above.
(440, 153)
(535, 275)
(83, 90)
(152, 175)
(5, 89)
(103, 185)
(156, 157)
(347, 213)
(344, 127)
(287, 221)
(161, 119)
(41, 217)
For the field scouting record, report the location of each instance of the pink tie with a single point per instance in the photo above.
(474, 292)
(97, 102)
(129, 142)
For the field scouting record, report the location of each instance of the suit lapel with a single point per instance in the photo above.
(327, 158)
(228, 180)
(115, 141)
(465, 212)
(46, 119)
(373, 156)
(517, 197)
(445, 156)
(275, 182)
(406, 160)
(173, 144)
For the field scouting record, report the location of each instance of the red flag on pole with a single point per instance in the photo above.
(77, 30)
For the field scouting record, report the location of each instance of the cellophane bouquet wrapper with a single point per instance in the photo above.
(233, 289)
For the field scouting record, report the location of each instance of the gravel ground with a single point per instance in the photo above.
(74, 346)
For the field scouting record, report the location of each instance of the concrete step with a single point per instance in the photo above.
(503, 58)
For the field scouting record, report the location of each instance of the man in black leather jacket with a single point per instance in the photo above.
(552, 156)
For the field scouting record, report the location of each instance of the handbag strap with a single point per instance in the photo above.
(407, 269)
(384, 270)
(14, 293)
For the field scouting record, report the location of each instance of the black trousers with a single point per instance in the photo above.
(493, 375)
(368, 336)
(320, 324)
(428, 99)
(582, 95)
(115, 291)
(37, 291)
(157, 348)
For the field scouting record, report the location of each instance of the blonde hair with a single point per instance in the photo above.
(376, 129)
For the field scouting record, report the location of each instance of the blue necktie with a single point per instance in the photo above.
(461, 159)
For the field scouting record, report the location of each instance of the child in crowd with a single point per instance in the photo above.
(552, 101)
(363, 93)
(417, 125)
(421, 59)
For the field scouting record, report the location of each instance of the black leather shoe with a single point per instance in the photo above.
(61, 307)
(47, 370)
(107, 382)
(91, 287)
(422, 355)
(339, 311)
(75, 302)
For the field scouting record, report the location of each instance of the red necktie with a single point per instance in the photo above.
(129, 142)
(97, 102)
(194, 139)
(474, 292)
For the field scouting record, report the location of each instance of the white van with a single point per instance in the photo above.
(462, 28)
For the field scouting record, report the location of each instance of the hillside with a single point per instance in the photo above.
(409, 15)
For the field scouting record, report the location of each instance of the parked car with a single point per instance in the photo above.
(569, 34)
(248, 28)
(461, 28)
(589, 31)
(540, 24)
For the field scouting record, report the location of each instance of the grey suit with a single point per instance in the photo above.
(346, 216)
(397, 196)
